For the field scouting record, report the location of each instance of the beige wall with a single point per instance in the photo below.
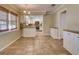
(73, 17)
(47, 23)
(71, 22)
(22, 18)
(8, 37)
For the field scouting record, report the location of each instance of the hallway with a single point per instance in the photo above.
(40, 45)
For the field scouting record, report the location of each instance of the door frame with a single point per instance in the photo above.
(59, 22)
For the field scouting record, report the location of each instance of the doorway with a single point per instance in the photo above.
(35, 21)
(62, 23)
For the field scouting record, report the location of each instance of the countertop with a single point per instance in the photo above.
(55, 27)
(71, 31)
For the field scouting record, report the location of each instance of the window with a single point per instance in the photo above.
(8, 20)
(3, 19)
(13, 21)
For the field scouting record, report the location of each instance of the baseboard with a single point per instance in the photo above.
(9, 43)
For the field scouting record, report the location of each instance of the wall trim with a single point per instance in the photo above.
(9, 43)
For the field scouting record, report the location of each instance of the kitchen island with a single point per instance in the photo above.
(29, 32)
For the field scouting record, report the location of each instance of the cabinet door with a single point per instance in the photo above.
(53, 33)
(67, 43)
(75, 43)
(66, 40)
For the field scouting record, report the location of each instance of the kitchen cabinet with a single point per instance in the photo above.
(71, 42)
(54, 33)
(29, 32)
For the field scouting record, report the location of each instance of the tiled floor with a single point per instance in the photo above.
(40, 45)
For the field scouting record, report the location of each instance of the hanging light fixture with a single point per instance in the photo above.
(24, 11)
(29, 12)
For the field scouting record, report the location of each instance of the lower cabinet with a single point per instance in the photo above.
(71, 42)
(54, 33)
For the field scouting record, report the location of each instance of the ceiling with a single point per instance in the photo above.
(36, 8)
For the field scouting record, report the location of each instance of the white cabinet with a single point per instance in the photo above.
(71, 42)
(54, 33)
(29, 32)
